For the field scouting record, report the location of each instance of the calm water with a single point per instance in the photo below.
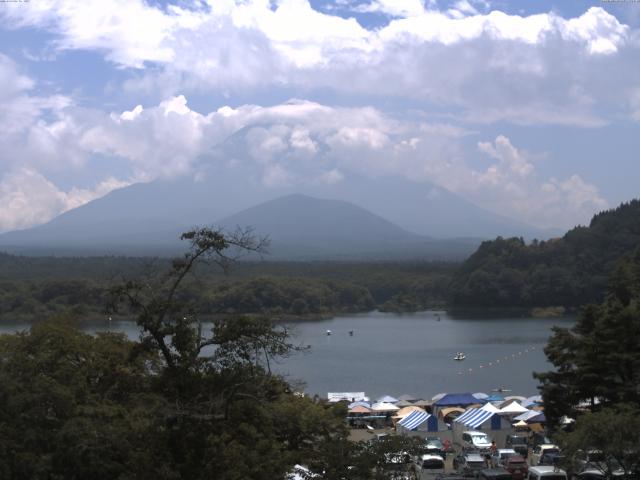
(410, 353)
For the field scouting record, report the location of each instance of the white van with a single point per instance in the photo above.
(428, 466)
(473, 440)
(546, 473)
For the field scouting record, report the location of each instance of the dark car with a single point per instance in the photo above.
(539, 439)
(495, 474)
(450, 476)
(469, 464)
(519, 443)
(551, 457)
(517, 467)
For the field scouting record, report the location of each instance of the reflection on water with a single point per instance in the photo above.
(408, 353)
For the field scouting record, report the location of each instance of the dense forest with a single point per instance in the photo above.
(503, 273)
(38, 287)
(569, 271)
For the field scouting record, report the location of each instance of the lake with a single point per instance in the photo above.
(409, 353)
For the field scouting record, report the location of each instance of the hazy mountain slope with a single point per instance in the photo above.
(302, 219)
(300, 226)
(147, 218)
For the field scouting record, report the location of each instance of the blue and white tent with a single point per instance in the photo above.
(420, 421)
(481, 419)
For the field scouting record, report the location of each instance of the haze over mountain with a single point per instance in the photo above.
(354, 218)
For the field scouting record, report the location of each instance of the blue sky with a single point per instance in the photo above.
(529, 109)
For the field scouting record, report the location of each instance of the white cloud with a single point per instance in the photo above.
(512, 162)
(39, 134)
(394, 8)
(570, 199)
(512, 187)
(489, 66)
(28, 198)
(295, 143)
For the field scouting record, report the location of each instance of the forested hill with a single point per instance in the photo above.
(568, 271)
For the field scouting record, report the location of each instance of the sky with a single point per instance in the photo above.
(528, 109)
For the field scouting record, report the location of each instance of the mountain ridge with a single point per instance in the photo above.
(150, 217)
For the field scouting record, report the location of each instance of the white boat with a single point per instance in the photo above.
(460, 356)
(328, 332)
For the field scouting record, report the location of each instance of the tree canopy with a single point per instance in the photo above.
(180, 403)
(568, 271)
(596, 376)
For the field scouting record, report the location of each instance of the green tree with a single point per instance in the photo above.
(597, 361)
(74, 405)
(614, 433)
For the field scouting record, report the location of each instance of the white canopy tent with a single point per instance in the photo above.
(387, 399)
(384, 407)
(513, 408)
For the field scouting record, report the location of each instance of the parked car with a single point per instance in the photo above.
(434, 446)
(427, 466)
(517, 466)
(551, 457)
(539, 439)
(473, 440)
(593, 465)
(546, 473)
(501, 455)
(398, 466)
(469, 464)
(590, 474)
(519, 443)
(590, 458)
(540, 450)
(494, 474)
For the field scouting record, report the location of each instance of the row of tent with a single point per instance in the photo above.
(511, 407)
(484, 418)
(439, 400)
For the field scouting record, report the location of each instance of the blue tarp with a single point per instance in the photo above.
(494, 397)
(457, 399)
(414, 420)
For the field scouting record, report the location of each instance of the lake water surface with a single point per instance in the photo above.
(409, 353)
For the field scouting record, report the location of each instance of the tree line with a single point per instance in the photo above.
(568, 271)
(40, 287)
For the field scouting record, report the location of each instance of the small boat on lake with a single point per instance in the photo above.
(328, 332)
(459, 356)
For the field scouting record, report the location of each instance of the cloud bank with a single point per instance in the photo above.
(453, 72)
